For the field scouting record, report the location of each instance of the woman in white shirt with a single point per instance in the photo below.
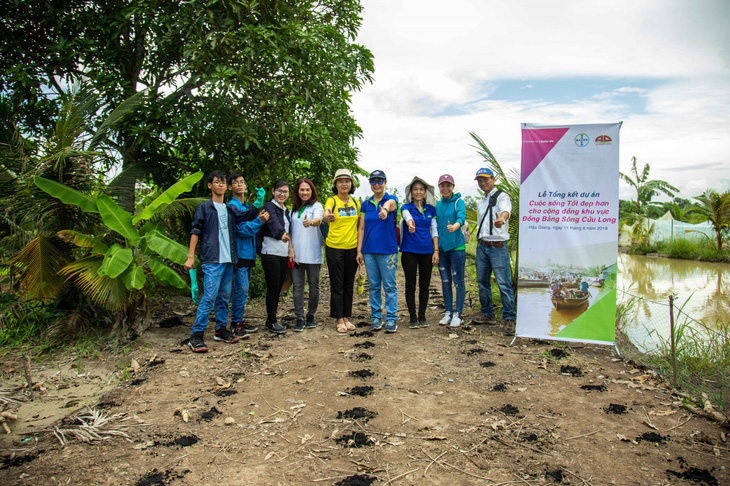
(275, 252)
(306, 245)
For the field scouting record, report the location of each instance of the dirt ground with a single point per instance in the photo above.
(425, 406)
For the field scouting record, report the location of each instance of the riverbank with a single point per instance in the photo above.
(681, 249)
(427, 406)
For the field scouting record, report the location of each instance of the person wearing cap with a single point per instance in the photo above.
(419, 247)
(377, 248)
(342, 214)
(450, 217)
(492, 254)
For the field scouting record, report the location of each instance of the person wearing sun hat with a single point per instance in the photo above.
(450, 217)
(377, 248)
(419, 247)
(342, 213)
(492, 254)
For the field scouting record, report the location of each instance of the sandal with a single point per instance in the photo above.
(341, 327)
(350, 325)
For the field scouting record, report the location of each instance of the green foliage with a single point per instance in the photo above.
(715, 207)
(260, 86)
(24, 323)
(645, 188)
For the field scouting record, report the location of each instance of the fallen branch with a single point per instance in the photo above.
(583, 435)
(26, 368)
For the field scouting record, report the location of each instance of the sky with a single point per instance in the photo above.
(445, 69)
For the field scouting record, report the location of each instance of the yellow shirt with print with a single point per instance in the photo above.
(343, 231)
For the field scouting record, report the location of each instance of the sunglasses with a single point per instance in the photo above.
(377, 182)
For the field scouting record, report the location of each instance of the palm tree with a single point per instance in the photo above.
(715, 207)
(645, 188)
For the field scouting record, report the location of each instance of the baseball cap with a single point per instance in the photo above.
(446, 178)
(377, 174)
(484, 172)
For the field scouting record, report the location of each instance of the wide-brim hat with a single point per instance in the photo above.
(429, 199)
(342, 174)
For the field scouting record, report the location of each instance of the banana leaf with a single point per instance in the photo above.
(117, 219)
(166, 274)
(134, 277)
(166, 247)
(66, 194)
(167, 197)
(116, 261)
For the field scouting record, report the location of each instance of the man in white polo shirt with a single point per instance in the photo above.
(492, 255)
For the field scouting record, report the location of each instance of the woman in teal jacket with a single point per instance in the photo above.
(450, 217)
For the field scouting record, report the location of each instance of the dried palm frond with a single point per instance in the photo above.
(93, 426)
(110, 293)
(40, 262)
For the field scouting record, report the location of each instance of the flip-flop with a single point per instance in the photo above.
(350, 326)
(342, 328)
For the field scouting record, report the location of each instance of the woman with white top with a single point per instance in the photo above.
(275, 252)
(307, 244)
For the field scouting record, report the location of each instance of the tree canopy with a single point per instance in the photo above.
(260, 86)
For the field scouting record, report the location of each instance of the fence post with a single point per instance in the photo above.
(673, 344)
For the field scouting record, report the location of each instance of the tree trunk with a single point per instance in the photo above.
(134, 320)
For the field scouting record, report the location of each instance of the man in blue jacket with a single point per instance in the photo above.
(214, 225)
(246, 245)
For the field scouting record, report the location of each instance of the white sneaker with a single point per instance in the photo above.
(446, 319)
(456, 320)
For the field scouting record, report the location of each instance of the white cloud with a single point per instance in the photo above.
(435, 58)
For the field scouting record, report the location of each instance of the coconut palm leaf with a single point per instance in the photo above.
(180, 208)
(84, 241)
(125, 108)
(40, 262)
(110, 293)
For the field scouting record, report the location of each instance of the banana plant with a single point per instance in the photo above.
(115, 276)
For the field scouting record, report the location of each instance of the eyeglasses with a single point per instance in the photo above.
(238, 183)
(282, 191)
(377, 182)
(219, 182)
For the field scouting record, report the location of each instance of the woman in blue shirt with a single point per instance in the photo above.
(419, 248)
(377, 247)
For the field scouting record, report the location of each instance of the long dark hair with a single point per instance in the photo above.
(296, 200)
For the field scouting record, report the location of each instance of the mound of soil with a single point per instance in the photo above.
(695, 474)
(556, 475)
(357, 480)
(355, 439)
(571, 370)
(616, 409)
(210, 414)
(652, 437)
(362, 374)
(508, 409)
(366, 345)
(137, 381)
(182, 441)
(156, 362)
(173, 321)
(357, 413)
(19, 460)
(530, 438)
(224, 392)
(473, 351)
(360, 391)
(363, 334)
(558, 353)
(486, 364)
(155, 477)
(362, 324)
(362, 357)
(599, 388)
(500, 387)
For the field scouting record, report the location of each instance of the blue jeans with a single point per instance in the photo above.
(241, 277)
(488, 260)
(451, 268)
(216, 285)
(381, 269)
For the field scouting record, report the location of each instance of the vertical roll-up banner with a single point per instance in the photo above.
(566, 288)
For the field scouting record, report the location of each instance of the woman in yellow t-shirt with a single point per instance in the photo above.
(342, 212)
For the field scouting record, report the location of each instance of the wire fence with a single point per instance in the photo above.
(692, 356)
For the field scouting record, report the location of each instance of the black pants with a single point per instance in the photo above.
(417, 263)
(342, 266)
(275, 276)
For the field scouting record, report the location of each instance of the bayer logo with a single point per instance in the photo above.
(581, 140)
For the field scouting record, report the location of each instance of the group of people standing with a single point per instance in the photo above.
(352, 235)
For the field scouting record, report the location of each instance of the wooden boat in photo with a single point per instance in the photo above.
(575, 300)
(532, 283)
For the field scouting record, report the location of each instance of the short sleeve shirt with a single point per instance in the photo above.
(379, 234)
(307, 242)
(224, 240)
(343, 231)
(420, 241)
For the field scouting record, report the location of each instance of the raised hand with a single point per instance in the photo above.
(450, 227)
(411, 226)
(260, 195)
(383, 212)
(498, 222)
(264, 216)
(330, 218)
(285, 238)
(306, 222)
